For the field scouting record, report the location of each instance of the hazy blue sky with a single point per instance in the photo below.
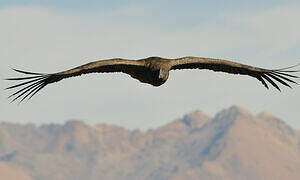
(51, 36)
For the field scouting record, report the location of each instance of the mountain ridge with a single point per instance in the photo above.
(234, 144)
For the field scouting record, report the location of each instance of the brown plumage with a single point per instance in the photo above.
(152, 70)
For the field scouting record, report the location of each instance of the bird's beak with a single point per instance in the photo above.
(162, 74)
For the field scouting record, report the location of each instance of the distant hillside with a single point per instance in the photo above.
(233, 145)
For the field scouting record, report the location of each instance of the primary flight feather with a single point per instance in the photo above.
(152, 70)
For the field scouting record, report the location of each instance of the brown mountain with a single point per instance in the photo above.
(11, 173)
(233, 145)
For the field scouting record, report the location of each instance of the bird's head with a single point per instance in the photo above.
(163, 74)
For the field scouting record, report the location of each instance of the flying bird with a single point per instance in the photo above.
(151, 70)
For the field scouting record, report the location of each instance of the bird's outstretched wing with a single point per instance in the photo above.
(36, 81)
(283, 76)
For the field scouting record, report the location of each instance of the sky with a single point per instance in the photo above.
(52, 36)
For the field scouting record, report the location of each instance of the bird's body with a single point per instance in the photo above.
(152, 70)
(156, 72)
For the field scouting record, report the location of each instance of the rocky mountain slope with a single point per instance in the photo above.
(233, 145)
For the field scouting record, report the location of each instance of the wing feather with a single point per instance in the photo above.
(278, 79)
(285, 78)
(282, 75)
(37, 81)
(270, 81)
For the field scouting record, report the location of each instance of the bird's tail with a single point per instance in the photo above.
(30, 85)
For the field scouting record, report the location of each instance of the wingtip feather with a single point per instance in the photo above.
(30, 86)
(280, 75)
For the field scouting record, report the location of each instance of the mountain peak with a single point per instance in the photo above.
(195, 119)
(280, 128)
(232, 113)
(75, 123)
(238, 110)
(266, 115)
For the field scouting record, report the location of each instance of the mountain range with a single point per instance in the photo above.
(234, 144)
